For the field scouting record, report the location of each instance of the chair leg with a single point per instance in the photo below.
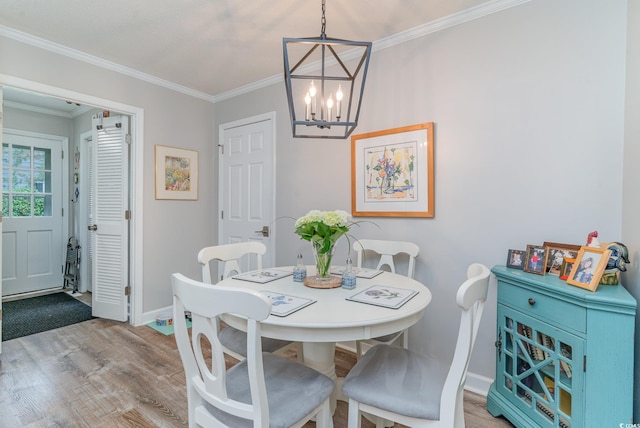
(299, 353)
(358, 350)
(354, 414)
(324, 418)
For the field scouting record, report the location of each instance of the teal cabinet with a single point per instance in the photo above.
(564, 355)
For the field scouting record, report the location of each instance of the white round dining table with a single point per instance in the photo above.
(333, 318)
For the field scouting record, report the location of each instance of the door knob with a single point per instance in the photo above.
(264, 231)
(93, 227)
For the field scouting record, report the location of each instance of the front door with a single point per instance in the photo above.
(247, 184)
(33, 211)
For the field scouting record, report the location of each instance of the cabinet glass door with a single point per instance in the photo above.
(540, 369)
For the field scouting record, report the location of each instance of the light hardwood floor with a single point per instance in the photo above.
(107, 374)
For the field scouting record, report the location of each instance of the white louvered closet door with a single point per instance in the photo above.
(110, 270)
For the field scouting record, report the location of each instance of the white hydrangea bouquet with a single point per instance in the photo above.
(323, 229)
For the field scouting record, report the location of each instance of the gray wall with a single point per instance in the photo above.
(631, 201)
(529, 111)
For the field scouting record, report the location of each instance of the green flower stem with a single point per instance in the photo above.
(323, 259)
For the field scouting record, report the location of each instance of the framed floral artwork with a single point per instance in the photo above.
(588, 267)
(392, 172)
(536, 259)
(176, 173)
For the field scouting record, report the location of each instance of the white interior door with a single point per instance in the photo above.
(33, 191)
(110, 230)
(247, 184)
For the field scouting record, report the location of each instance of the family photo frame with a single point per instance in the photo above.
(589, 267)
(176, 173)
(515, 259)
(536, 259)
(392, 172)
(557, 254)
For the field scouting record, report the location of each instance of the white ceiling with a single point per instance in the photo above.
(212, 46)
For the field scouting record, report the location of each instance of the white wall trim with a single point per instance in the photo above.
(402, 37)
(137, 182)
(97, 61)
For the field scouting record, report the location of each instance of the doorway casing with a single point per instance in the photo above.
(136, 185)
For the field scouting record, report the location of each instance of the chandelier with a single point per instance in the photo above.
(324, 79)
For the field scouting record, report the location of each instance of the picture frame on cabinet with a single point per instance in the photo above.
(565, 270)
(536, 259)
(557, 253)
(588, 268)
(515, 259)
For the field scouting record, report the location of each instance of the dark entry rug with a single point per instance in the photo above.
(42, 313)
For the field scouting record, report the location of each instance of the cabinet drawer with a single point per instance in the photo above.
(543, 307)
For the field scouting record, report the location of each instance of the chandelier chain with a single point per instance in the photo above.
(324, 20)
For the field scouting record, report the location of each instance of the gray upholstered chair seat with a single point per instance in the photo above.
(416, 381)
(236, 341)
(293, 391)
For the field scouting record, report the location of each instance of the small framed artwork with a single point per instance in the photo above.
(176, 173)
(565, 270)
(557, 253)
(588, 268)
(536, 259)
(392, 173)
(515, 259)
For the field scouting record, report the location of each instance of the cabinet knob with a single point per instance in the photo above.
(532, 301)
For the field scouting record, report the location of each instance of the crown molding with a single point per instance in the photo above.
(449, 21)
(99, 62)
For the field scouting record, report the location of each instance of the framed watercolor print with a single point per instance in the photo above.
(392, 173)
(588, 268)
(557, 254)
(176, 173)
(536, 259)
(515, 259)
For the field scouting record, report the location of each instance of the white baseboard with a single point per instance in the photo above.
(478, 384)
(148, 317)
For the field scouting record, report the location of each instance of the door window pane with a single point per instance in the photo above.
(21, 182)
(21, 157)
(5, 205)
(26, 181)
(21, 206)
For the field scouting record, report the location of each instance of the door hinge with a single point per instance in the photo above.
(62, 154)
(127, 290)
(222, 215)
(127, 215)
(62, 212)
(221, 148)
(127, 138)
(584, 363)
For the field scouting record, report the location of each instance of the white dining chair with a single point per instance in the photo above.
(386, 251)
(264, 390)
(233, 340)
(411, 388)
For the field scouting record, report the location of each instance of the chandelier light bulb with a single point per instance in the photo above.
(339, 95)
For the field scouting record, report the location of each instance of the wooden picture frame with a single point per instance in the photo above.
(176, 173)
(392, 172)
(557, 254)
(588, 268)
(515, 259)
(565, 270)
(536, 259)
